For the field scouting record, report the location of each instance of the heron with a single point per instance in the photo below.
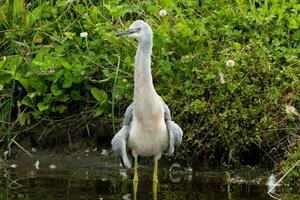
(148, 129)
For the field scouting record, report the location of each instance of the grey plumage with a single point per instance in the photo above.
(148, 129)
(119, 140)
(118, 143)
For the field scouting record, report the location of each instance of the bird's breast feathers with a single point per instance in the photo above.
(150, 139)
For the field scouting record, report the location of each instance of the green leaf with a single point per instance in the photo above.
(68, 78)
(33, 94)
(25, 117)
(293, 24)
(60, 49)
(40, 11)
(27, 101)
(37, 83)
(24, 82)
(42, 106)
(65, 64)
(198, 106)
(59, 74)
(1, 87)
(99, 95)
(5, 78)
(11, 63)
(36, 114)
(61, 108)
(2, 61)
(69, 35)
(98, 112)
(55, 89)
(62, 98)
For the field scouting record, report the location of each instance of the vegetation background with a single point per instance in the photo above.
(229, 71)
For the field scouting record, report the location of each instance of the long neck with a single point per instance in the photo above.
(143, 83)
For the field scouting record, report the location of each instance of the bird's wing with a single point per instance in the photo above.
(175, 132)
(120, 139)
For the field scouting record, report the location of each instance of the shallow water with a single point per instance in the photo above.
(80, 178)
(117, 184)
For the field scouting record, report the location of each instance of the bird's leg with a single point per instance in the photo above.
(154, 190)
(135, 187)
(155, 178)
(135, 176)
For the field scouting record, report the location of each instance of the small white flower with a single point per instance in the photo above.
(84, 34)
(14, 166)
(221, 75)
(52, 166)
(230, 63)
(4, 58)
(291, 110)
(33, 150)
(163, 13)
(37, 165)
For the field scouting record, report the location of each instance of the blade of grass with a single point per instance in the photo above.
(113, 95)
(27, 152)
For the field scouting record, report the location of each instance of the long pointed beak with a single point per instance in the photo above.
(128, 32)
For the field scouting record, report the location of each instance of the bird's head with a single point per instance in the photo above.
(139, 30)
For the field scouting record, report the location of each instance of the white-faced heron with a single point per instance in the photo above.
(147, 128)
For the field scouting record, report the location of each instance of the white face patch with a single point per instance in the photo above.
(134, 35)
(137, 34)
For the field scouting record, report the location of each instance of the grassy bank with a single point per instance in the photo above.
(229, 71)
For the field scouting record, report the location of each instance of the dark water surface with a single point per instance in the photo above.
(117, 184)
(95, 177)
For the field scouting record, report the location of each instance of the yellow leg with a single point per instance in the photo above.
(135, 179)
(154, 189)
(155, 178)
(135, 187)
(135, 176)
